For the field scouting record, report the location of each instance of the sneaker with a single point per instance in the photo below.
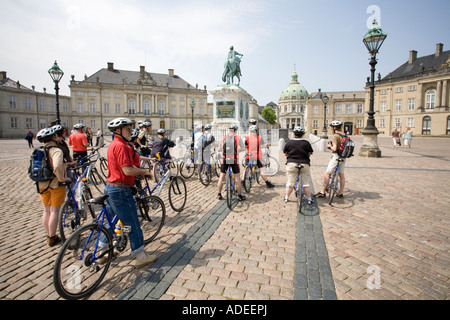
(286, 198)
(339, 195)
(311, 202)
(142, 263)
(219, 196)
(320, 195)
(241, 197)
(53, 241)
(269, 185)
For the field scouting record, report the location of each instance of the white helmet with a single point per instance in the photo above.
(79, 126)
(161, 131)
(299, 129)
(208, 126)
(119, 123)
(253, 128)
(336, 123)
(45, 134)
(233, 127)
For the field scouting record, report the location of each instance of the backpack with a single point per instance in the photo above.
(346, 148)
(230, 147)
(40, 169)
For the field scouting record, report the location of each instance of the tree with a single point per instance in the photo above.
(269, 115)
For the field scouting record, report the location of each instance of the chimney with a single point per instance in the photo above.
(2, 75)
(171, 72)
(439, 48)
(110, 66)
(412, 56)
(142, 70)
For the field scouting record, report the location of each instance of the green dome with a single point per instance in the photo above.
(294, 91)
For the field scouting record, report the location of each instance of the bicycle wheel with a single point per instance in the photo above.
(299, 194)
(177, 194)
(159, 170)
(270, 166)
(152, 216)
(248, 179)
(69, 219)
(187, 169)
(205, 174)
(333, 187)
(97, 180)
(77, 272)
(147, 165)
(103, 167)
(229, 191)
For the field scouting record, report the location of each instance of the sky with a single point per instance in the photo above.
(320, 39)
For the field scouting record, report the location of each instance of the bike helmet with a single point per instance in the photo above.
(253, 128)
(119, 123)
(59, 129)
(233, 127)
(336, 123)
(147, 124)
(79, 126)
(252, 122)
(134, 134)
(161, 131)
(299, 130)
(208, 126)
(45, 135)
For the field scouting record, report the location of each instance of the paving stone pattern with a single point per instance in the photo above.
(387, 239)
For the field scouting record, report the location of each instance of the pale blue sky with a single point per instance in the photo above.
(323, 38)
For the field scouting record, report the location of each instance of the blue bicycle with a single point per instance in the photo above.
(251, 174)
(229, 187)
(299, 190)
(84, 259)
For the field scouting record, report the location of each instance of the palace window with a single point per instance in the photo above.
(131, 107)
(411, 104)
(146, 108)
(430, 99)
(161, 108)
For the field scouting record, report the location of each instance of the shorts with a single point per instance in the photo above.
(53, 197)
(333, 162)
(292, 171)
(234, 168)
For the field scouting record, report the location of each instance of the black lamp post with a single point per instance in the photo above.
(325, 100)
(56, 74)
(373, 40)
(192, 114)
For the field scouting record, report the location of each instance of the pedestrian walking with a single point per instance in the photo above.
(407, 136)
(29, 137)
(396, 138)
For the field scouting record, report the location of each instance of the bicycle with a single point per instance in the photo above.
(333, 186)
(188, 165)
(72, 213)
(270, 164)
(299, 190)
(84, 259)
(94, 177)
(103, 162)
(229, 187)
(251, 174)
(161, 166)
(177, 189)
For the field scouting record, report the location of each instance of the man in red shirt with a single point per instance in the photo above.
(79, 143)
(121, 173)
(253, 144)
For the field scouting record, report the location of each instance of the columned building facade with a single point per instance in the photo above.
(164, 99)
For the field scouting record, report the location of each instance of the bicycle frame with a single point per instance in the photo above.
(334, 176)
(160, 184)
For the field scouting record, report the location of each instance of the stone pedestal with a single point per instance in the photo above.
(233, 105)
(370, 144)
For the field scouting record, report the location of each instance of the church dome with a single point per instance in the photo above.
(294, 91)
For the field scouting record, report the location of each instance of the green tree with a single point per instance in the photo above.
(269, 115)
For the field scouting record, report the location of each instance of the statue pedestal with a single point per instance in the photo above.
(233, 105)
(370, 144)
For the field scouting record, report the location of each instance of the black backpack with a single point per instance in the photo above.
(40, 169)
(346, 148)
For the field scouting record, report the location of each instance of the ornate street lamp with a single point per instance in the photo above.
(192, 114)
(373, 40)
(56, 74)
(325, 100)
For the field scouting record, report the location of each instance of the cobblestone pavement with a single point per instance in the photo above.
(387, 239)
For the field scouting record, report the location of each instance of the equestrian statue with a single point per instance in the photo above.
(232, 67)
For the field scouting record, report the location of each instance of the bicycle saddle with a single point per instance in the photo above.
(98, 200)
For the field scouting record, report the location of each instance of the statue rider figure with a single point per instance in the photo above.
(232, 66)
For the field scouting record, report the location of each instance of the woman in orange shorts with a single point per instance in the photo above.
(52, 192)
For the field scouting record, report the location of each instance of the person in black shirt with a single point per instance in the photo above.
(298, 151)
(161, 145)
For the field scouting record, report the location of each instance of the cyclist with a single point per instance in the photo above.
(52, 193)
(79, 142)
(61, 133)
(121, 173)
(298, 151)
(253, 144)
(161, 145)
(144, 138)
(208, 141)
(134, 145)
(198, 142)
(336, 127)
(231, 160)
